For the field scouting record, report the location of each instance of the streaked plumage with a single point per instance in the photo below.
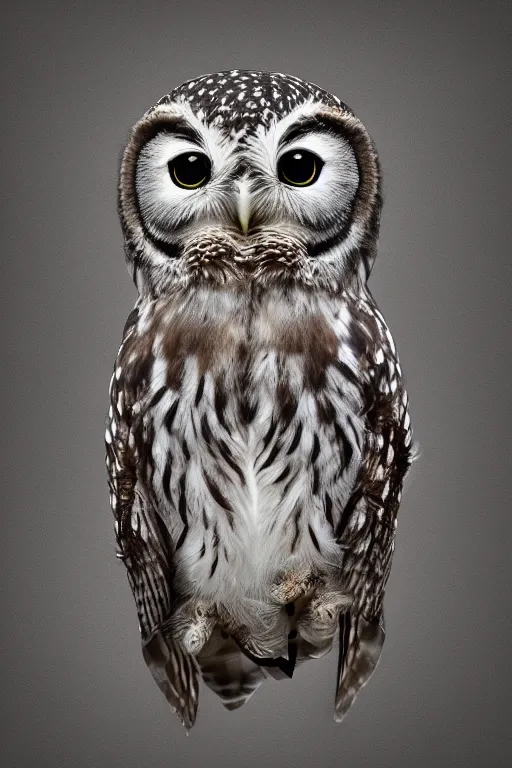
(258, 432)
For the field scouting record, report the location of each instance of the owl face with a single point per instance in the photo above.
(248, 176)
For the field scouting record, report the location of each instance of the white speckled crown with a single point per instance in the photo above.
(245, 99)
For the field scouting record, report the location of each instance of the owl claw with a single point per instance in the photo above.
(319, 620)
(193, 625)
(196, 637)
(292, 585)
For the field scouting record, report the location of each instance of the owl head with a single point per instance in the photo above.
(246, 177)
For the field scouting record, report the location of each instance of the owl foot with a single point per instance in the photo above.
(293, 585)
(319, 621)
(258, 628)
(192, 625)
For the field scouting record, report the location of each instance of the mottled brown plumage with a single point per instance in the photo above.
(258, 432)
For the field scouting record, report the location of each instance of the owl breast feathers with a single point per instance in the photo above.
(258, 432)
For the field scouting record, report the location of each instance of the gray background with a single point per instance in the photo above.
(432, 83)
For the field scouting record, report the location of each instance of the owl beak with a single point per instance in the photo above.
(243, 218)
(243, 206)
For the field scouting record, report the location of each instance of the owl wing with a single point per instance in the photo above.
(143, 542)
(375, 500)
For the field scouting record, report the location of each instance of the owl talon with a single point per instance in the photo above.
(293, 585)
(197, 636)
(192, 625)
(319, 620)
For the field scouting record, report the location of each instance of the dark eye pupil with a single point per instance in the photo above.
(299, 168)
(190, 170)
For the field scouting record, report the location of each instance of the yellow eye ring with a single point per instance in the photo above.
(190, 170)
(301, 183)
(187, 186)
(299, 168)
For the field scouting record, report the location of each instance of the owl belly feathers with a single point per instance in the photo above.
(255, 433)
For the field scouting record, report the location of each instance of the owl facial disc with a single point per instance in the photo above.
(259, 163)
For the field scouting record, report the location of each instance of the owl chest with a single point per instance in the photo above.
(244, 465)
(254, 447)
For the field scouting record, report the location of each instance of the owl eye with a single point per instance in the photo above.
(299, 168)
(190, 170)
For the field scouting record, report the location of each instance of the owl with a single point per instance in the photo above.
(258, 433)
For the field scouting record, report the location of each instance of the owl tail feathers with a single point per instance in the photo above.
(361, 644)
(228, 672)
(176, 674)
